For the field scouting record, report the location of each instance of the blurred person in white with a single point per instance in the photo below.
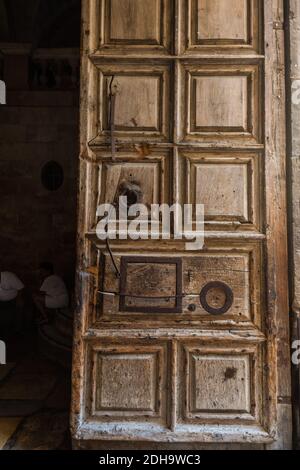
(52, 294)
(11, 301)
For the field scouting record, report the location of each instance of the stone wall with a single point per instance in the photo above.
(37, 224)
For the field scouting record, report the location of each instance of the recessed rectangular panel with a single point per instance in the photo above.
(135, 21)
(220, 104)
(136, 175)
(223, 20)
(151, 285)
(219, 383)
(142, 103)
(137, 102)
(128, 381)
(222, 189)
(221, 25)
(227, 184)
(150, 288)
(132, 26)
(148, 175)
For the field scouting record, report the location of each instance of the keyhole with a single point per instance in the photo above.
(132, 197)
(132, 192)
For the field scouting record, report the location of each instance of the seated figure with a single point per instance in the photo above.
(11, 301)
(52, 295)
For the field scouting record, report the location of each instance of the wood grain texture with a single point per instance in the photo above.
(143, 106)
(131, 26)
(293, 114)
(277, 278)
(227, 183)
(230, 26)
(211, 24)
(199, 118)
(238, 268)
(220, 103)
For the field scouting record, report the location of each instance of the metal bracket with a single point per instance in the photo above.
(148, 308)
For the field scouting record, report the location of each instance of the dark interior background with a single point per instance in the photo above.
(43, 23)
(39, 62)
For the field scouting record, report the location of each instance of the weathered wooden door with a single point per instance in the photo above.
(190, 347)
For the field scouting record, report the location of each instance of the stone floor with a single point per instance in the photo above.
(34, 399)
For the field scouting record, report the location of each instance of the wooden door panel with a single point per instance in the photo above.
(228, 184)
(151, 175)
(143, 105)
(232, 371)
(220, 103)
(140, 297)
(160, 385)
(212, 24)
(227, 25)
(135, 21)
(132, 26)
(128, 382)
(233, 390)
(165, 275)
(171, 345)
(238, 270)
